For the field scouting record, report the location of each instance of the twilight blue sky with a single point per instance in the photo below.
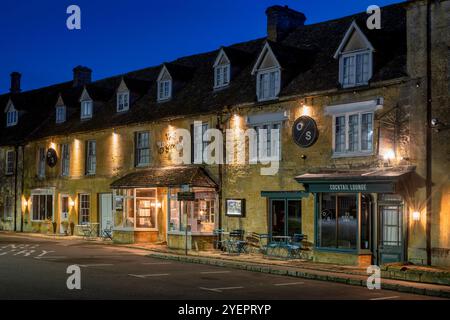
(121, 36)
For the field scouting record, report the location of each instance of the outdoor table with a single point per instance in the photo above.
(277, 245)
(89, 229)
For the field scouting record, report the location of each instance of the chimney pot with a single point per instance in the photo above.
(281, 20)
(81, 76)
(15, 82)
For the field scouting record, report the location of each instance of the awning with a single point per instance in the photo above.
(353, 181)
(166, 177)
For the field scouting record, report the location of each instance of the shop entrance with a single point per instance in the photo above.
(285, 217)
(391, 237)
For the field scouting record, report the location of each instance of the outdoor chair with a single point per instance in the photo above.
(107, 232)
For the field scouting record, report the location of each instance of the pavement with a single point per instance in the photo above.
(36, 268)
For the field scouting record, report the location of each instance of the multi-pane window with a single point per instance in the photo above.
(222, 76)
(86, 109)
(60, 114)
(123, 101)
(11, 118)
(198, 143)
(356, 69)
(269, 147)
(353, 133)
(164, 89)
(65, 160)
(142, 148)
(85, 208)
(268, 83)
(41, 162)
(9, 207)
(42, 207)
(91, 157)
(10, 159)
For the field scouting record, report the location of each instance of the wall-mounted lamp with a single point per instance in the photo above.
(416, 216)
(156, 204)
(389, 155)
(71, 203)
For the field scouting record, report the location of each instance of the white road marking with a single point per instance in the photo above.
(156, 263)
(385, 298)
(220, 289)
(288, 284)
(95, 265)
(51, 257)
(214, 272)
(143, 276)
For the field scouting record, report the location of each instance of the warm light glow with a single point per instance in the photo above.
(389, 155)
(71, 203)
(305, 111)
(416, 216)
(53, 145)
(236, 121)
(156, 204)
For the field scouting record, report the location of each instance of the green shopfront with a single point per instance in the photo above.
(360, 217)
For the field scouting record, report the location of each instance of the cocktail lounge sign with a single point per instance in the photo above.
(351, 187)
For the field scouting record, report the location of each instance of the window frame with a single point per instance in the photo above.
(84, 116)
(277, 84)
(82, 209)
(354, 54)
(346, 152)
(270, 125)
(204, 143)
(8, 204)
(46, 195)
(137, 149)
(10, 167)
(62, 114)
(91, 158)
(65, 159)
(125, 96)
(41, 157)
(12, 118)
(219, 79)
(161, 85)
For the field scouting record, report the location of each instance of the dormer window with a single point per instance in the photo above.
(86, 109)
(60, 114)
(123, 101)
(268, 75)
(164, 85)
(268, 83)
(222, 70)
(164, 90)
(11, 118)
(355, 58)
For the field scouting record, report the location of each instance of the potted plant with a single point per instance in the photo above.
(54, 225)
(65, 225)
(72, 228)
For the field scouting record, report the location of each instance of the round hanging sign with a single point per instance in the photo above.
(305, 132)
(52, 157)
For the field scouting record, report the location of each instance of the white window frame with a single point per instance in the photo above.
(65, 161)
(358, 152)
(138, 148)
(155, 199)
(12, 117)
(8, 204)
(91, 158)
(199, 142)
(123, 101)
(60, 114)
(80, 203)
(354, 54)
(276, 88)
(41, 156)
(270, 125)
(222, 74)
(9, 167)
(164, 95)
(83, 114)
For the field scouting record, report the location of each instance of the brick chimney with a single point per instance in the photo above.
(15, 82)
(81, 76)
(282, 20)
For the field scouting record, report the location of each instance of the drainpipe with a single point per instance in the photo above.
(429, 183)
(220, 167)
(22, 186)
(16, 162)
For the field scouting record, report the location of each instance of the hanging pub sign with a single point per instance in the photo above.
(51, 158)
(305, 132)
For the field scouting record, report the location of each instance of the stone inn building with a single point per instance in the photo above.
(362, 116)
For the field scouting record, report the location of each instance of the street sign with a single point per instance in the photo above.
(186, 196)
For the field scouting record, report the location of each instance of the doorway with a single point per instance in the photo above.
(64, 214)
(106, 215)
(391, 246)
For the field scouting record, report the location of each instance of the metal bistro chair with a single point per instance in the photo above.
(236, 243)
(107, 232)
(218, 244)
(295, 246)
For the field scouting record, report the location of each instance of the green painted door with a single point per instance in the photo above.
(391, 244)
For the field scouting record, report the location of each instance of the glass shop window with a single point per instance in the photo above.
(338, 221)
(146, 208)
(42, 207)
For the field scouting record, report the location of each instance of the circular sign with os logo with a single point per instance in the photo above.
(305, 132)
(51, 157)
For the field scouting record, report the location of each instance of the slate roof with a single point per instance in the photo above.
(307, 52)
(166, 177)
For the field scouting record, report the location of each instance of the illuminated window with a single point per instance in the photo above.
(85, 207)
